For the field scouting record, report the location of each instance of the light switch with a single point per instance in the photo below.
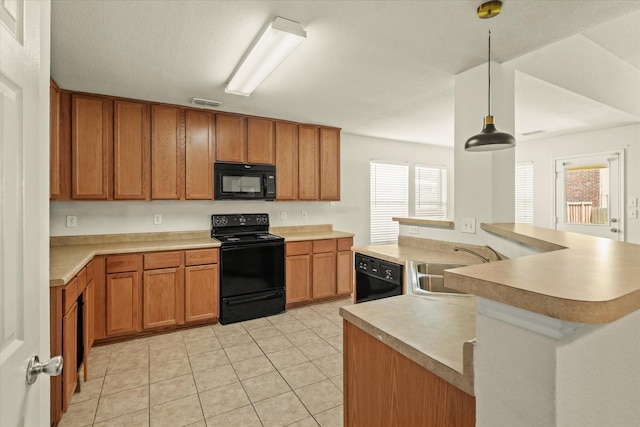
(633, 213)
(469, 225)
(633, 202)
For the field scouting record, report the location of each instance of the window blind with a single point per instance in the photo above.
(524, 193)
(389, 198)
(431, 191)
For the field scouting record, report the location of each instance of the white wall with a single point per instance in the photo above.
(542, 151)
(350, 214)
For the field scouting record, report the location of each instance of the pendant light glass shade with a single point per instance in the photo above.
(489, 139)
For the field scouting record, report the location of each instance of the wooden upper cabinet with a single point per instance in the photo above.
(131, 150)
(59, 144)
(308, 163)
(199, 128)
(167, 148)
(286, 136)
(231, 138)
(260, 141)
(90, 147)
(329, 164)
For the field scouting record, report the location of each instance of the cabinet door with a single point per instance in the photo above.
(231, 138)
(286, 161)
(69, 355)
(329, 164)
(89, 316)
(298, 278)
(167, 148)
(344, 272)
(201, 292)
(90, 147)
(97, 269)
(308, 163)
(198, 155)
(162, 297)
(260, 141)
(59, 144)
(324, 275)
(131, 150)
(123, 303)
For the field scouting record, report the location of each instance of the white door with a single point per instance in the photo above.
(589, 193)
(24, 263)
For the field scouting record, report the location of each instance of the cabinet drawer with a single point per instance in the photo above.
(156, 260)
(122, 263)
(69, 295)
(298, 248)
(345, 244)
(201, 257)
(320, 246)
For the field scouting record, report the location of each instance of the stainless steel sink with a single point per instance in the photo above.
(428, 278)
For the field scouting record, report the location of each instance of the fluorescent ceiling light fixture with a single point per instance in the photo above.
(273, 46)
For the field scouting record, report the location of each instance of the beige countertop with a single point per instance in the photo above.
(309, 232)
(581, 278)
(69, 254)
(437, 333)
(424, 250)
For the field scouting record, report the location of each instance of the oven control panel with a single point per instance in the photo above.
(239, 220)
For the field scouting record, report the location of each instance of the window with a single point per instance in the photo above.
(389, 198)
(431, 191)
(524, 193)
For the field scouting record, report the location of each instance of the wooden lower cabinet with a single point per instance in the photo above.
(318, 270)
(324, 275)
(122, 303)
(384, 388)
(201, 293)
(69, 355)
(298, 278)
(163, 297)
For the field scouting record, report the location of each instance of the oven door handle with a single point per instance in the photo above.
(251, 245)
(254, 299)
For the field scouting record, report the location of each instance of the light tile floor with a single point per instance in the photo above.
(283, 370)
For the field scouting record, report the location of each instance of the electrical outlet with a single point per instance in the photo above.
(303, 214)
(157, 219)
(283, 215)
(72, 221)
(469, 225)
(413, 229)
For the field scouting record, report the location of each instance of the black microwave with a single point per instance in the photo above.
(240, 181)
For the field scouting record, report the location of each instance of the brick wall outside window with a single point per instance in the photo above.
(583, 186)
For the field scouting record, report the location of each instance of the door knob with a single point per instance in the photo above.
(52, 367)
(614, 230)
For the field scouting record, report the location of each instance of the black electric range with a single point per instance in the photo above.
(252, 271)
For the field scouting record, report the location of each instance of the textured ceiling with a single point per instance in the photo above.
(376, 68)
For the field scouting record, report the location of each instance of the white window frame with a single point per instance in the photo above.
(382, 228)
(436, 198)
(524, 192)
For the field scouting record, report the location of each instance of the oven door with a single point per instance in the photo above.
(255, 267)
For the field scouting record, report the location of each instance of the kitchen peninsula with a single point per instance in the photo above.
(557, 333)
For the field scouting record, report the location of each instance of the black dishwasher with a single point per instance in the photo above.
(376, 278)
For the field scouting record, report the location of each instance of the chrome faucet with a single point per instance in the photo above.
(484, 260)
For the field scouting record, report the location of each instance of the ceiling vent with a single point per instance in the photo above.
(206, 102)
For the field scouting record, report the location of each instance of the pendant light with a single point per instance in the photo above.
(489, 139)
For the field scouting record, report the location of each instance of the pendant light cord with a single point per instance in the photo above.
(489, 63)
